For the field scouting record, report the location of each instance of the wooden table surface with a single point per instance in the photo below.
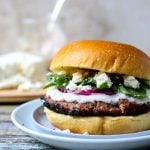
(12, 138)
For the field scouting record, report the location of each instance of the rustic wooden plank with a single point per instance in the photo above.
(21, 142)
(5, 112)
(7, 109)
(9, 135)
(10, 96)
(6, 125)
(7, 128)
(4, 117)
(12, 138)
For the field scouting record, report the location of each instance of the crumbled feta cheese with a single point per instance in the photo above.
(7, 69)
(49, 73)
(77, 77)
(61, 72)
(12, 82)
(85, 87)
(72, 86)
(14, 66)
(101, 78)
(130, 81)
(66, 131)
(30, 66)
(85, 133)
(28, 85)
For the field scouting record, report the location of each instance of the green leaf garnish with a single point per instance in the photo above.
(104, 86)
(145, 83)
(88, 81)
(58, 80)
(62, 80)
(136, 93)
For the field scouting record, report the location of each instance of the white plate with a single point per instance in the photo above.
(41, 122)
(23, 118)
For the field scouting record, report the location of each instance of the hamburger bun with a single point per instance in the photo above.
(104, 56)
(99, 124)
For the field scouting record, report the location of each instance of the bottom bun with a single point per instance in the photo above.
(98, 124)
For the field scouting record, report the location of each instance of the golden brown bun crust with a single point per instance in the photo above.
(104, 56)
(99, 125)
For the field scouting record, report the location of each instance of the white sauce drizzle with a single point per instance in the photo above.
(57, 95)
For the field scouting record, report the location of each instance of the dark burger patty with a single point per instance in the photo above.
(122, 108)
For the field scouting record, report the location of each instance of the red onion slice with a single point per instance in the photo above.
(88, 92)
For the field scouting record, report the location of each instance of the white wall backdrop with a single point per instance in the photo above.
(125, 21)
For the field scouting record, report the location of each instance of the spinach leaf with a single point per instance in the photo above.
(59, 80)
(88, 81)
(136, 93)
(145, 83)
(104, 86)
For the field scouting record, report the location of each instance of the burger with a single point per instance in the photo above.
(99, 87)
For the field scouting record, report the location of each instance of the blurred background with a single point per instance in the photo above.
(23, 23)
(37, 27)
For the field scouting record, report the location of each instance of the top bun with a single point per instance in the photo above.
(104, 56)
